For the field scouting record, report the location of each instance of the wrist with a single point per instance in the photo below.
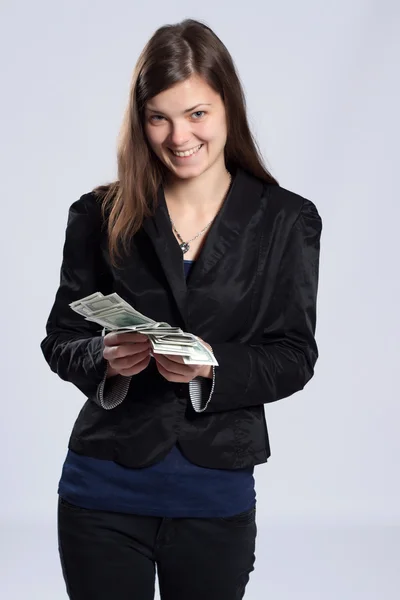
(110, 371)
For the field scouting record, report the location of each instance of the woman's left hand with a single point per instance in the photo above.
(172, 368)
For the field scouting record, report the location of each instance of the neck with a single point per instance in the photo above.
(205, 191)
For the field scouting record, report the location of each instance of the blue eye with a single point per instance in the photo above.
(156, 117)
(201, 113)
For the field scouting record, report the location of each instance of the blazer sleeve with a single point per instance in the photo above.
(282, 364)
(200, 391)
(73, 347)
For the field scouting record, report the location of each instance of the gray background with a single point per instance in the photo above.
(322, 87)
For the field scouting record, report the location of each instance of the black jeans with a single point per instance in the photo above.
(113, 556)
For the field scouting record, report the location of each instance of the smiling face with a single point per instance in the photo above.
(186, 127)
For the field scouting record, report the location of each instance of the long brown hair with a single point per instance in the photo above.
(173, 53)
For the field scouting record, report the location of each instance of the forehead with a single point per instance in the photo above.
(181, 96)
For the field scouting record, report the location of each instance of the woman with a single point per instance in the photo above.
(196, 233)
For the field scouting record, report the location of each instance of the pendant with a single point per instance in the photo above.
(184, 247)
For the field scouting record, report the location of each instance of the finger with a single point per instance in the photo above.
(175, 367)
(124, 362)
(174, 358)
(135, 369)
(116, 339)
(174, 377)
(169, 365)
(114, 352)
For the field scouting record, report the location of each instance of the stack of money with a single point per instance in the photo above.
(114, 314)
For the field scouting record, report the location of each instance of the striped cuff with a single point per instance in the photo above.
(111, 392)
(201, 390)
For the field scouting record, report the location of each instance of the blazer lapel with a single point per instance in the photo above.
(240, 206)
(158, 228)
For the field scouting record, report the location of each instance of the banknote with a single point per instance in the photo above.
(116, 315)
(117, 318)
(88, 298)
(192, 355)
(200, 355)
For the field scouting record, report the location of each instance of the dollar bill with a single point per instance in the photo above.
(192, 355)
(116, 315)
(94, 296)
(117, 318)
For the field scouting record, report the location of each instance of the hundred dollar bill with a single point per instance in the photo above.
(171, 340)
(116, 315)
(192, 355)
(96, 295)
(119, 317)
(200, 355)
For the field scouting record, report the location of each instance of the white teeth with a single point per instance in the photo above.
(188, 152)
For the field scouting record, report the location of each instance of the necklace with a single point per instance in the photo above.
(184, 246)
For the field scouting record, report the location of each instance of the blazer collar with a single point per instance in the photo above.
(231, 221)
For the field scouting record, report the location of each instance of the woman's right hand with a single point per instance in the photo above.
(127, 353)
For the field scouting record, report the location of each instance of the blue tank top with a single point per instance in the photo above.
(173, 487)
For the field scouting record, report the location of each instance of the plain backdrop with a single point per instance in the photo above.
(322, 87)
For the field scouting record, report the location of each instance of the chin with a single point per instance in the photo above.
(187, 172)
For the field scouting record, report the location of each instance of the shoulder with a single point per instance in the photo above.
(88, 203)
(290, 206)
(91, 203)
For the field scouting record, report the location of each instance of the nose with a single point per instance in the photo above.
(179, 134)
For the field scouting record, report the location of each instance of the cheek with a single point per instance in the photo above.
(154, 137)
(216, 139)
(215, 132)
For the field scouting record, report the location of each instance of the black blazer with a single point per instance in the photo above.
(251, 294)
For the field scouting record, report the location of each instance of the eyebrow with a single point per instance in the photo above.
(192, 108)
